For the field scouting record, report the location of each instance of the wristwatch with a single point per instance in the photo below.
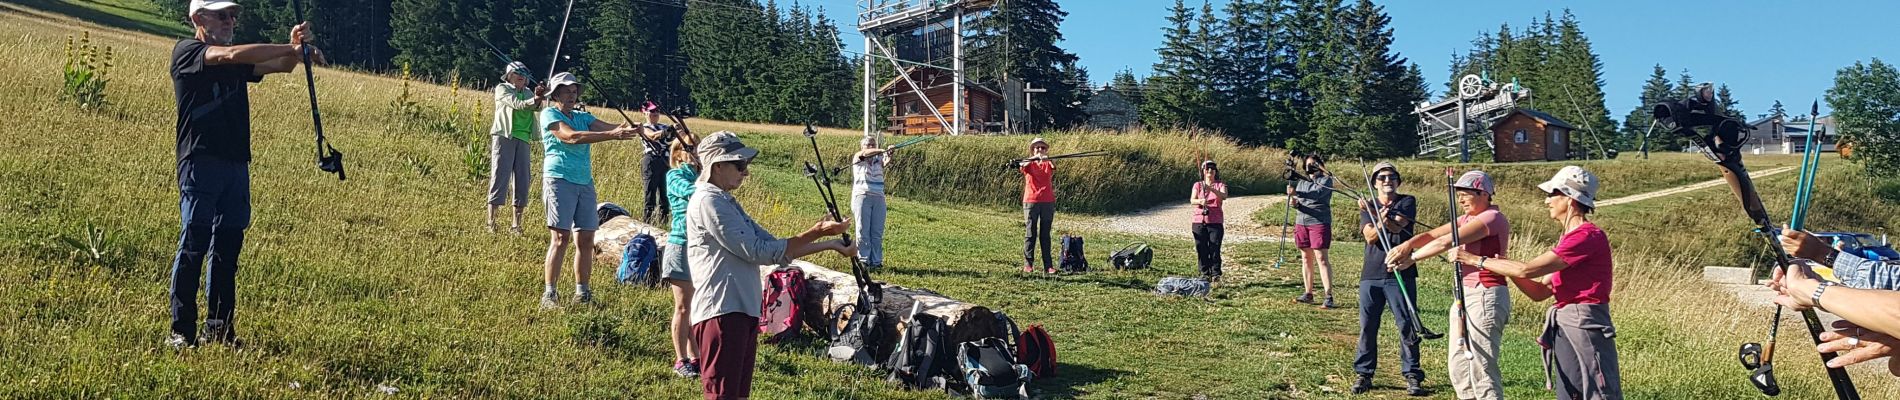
(1816, 298)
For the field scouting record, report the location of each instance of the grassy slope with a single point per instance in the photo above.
(385, 279)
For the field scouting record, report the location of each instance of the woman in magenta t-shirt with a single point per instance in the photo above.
(1578, 338)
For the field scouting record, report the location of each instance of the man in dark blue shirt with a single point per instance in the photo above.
(209, 78)
(1379, 288)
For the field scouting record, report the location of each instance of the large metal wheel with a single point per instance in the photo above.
(1470, 85)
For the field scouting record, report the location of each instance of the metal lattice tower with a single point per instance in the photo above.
(878, 19)
(1445, 127)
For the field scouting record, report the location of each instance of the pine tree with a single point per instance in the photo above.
(1316, 101)
(1636, 125)
(1246, 61)
(1577, 77)
(1169, 98)
(1018, 41)
(1777, 111)
(1128, 86)
(1728, 102)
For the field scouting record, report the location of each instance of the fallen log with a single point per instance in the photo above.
(829, 289)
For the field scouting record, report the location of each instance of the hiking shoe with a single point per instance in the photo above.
(686, 369)
(221, 331)
(1363, 385)
(489, 227)
(550, 300)
(584, 297)
(515, 230)
(1328, 305)
(1028, 268)
(1048, 270)
(180, 342)
(1415, 386)
(1305, 298)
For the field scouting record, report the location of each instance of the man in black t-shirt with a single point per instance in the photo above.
(209, 78)
(655, 161)
(1379, 289)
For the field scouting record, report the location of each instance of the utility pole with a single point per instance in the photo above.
(1029, 93)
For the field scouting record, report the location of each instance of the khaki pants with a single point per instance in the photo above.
(1475, 375)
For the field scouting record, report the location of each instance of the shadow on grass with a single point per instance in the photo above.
(1069, 378)
(91, 13)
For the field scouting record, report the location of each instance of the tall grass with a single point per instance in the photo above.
(1143, 169)
(386, 281)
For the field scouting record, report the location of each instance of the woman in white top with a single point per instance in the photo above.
(867, 201)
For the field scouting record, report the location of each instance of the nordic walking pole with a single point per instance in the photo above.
(1458, 285)
(334, 161)
(1385, 246)
(558, 38)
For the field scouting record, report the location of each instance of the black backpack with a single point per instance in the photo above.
(991, 371)
(921, 360)
(853, 337)
(1133, 256)
(1072, 258)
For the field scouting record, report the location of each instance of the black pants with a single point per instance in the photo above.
(655, 174)
(1374, 297)
(1207, 239)
(1037, 218)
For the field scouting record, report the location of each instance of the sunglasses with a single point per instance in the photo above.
(1386, 177)
(1554, 193)
(742, 165)
(220, 15)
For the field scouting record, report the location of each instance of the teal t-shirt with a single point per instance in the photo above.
(569, 162)
(679, 188)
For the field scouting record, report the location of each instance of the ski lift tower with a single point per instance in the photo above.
(1444, 128)
(929, 20)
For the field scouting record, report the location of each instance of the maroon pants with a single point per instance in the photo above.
(728, 347)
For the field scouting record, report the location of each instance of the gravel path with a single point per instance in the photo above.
(1683, 189)
(1174, 219)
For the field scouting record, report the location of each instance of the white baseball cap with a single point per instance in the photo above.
(213, 5)
(562, 79)
(1574, 182)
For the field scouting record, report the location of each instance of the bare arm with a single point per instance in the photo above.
(249, 53)
(1878, 310)
(807, 243)
(1431, 244)
(1544, 264)
(568, 135)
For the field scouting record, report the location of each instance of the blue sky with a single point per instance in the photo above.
(1764, 50)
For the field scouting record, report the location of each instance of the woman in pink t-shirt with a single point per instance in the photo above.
(1207, 196)
(1578, 339)
(1477, 320)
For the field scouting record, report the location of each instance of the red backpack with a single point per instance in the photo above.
(784, 295)
(1036, 350)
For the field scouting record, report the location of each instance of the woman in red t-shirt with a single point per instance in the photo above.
(1039, 204)
(1486, 306)
(1578, 338)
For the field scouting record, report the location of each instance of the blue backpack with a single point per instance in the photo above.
(640, 264)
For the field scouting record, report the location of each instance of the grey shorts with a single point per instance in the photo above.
(570, 206)
(673, 263)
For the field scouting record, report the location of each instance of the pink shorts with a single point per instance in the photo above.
(1313, 236)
